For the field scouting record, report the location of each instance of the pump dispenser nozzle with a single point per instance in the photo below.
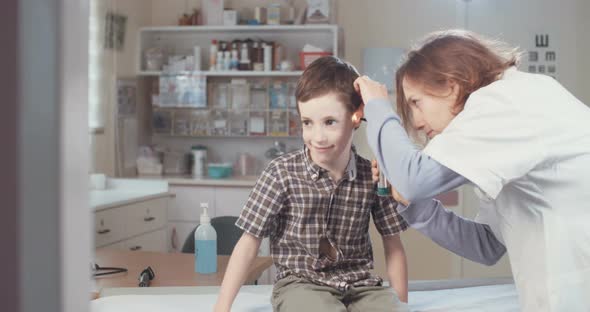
(204, 215)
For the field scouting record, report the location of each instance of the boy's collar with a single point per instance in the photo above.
(315, 170)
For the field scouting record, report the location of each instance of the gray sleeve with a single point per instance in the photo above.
(464, 237)
(418, 178)
(413, 174)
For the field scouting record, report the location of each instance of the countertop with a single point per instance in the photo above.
(126, 191)
(238, 181)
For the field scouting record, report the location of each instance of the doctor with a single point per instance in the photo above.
(522, 139)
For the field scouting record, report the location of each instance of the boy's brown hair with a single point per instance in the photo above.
(326, 75)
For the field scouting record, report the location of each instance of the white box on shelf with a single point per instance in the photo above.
(230, 17)
(212, 11)
(273, 15)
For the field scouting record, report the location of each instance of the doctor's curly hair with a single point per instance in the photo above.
(453, 56)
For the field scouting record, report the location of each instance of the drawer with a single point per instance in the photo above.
(109, 226)
(145, 216)
(152, 241)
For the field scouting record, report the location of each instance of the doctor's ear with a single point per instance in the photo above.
(454, 88)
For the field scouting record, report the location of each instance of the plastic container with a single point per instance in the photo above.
(197, 57)
(213, 55)
(267, 57)
(205, 244)
(154, 58)
(238, 122)
(176, 162)
(219, 171)
(218, 124)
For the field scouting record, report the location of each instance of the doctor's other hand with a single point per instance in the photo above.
(375, 174)
(370, 89)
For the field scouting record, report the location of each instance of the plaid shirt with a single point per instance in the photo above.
(296, 203)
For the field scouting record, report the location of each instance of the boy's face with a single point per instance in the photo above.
(327, 130)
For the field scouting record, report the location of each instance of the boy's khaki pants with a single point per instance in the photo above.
(298, 294)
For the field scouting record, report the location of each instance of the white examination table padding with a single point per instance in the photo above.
(488, 295)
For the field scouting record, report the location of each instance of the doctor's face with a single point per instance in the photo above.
(431, 113)
(327, 129)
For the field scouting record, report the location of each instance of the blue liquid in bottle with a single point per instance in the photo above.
(206, 259)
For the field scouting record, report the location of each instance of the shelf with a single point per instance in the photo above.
(235, 73)
(162, 135)
(182, 40)
(242, 28)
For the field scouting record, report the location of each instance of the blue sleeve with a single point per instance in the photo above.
(413, 174)
(464, 237)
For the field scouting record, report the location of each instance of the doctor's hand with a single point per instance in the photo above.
(397, 196)
(370, 89)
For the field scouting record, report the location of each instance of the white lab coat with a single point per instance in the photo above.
(524, 141)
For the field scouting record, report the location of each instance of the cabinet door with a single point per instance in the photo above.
(185, 206)
(178, 233)
(109, 226)
(229, 201)
(146, 216)
(152, 241)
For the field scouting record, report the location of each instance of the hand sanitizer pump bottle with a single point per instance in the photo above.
(205, 245)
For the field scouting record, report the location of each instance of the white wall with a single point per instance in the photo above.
(516, 22)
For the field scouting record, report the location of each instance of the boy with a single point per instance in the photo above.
(315, 204)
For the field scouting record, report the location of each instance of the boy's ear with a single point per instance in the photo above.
(357, 116)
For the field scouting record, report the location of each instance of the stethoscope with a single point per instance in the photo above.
(145, 276)
(106, 270)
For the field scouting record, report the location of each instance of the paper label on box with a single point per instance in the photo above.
(220, 123)
(257, 125)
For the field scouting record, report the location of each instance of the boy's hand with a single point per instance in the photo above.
(394, 193)
(370, 89)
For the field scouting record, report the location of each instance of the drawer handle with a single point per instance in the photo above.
(135, 248)
(104, 231)
(148, 219)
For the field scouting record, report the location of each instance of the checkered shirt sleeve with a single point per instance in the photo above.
(387, 220)
(259, 215)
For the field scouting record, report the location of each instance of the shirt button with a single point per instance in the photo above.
(314, 176)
